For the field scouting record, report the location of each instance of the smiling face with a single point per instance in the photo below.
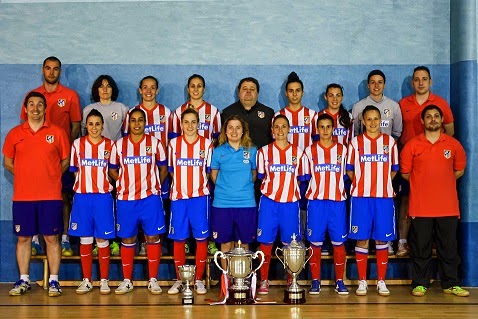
(371, 121)
(137, 123)
(334, 99)
(280, 129)
(376, 85)
(94, 126)
(234, 131)
(196, 89)
(35, 109)
(148, 90)
(189, 125)
(294, 93)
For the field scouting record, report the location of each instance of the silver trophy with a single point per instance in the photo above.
(239, 267)
(187, 273)
(294, 260)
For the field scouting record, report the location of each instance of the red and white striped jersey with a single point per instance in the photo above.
(280, 171)
(340, 134)
(326, 170)
(372, 161)
(138, 167)
(303, 125)
(209, 120)
(158, 122)
(90, 162)
(190, 164)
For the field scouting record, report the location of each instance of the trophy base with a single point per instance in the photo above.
(294, 297)
(188, 300)
(240, 297)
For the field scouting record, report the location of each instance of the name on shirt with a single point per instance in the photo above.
(282, 168)
(299, 129)
(203, 126)
(94, 162)
(340, 131)
(370, 158)
(154, 128)
(332, 168)
(137, 160)
(190, 162)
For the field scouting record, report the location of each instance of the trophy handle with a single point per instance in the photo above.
(262, 259)
(311, 254)
(221, 254)
(282, 262)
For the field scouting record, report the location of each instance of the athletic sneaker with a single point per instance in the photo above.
(20, 287)
(54, 289)
(419, 291)
(211, 248)
(176, 288)
(390, 248)
(402, 250)
(124, 287)
(362, 288)
(340, 288)
(153, 287)
(199, 287)
(114, 249)
(104, 287)
(457, 291)
(84, 287)
(66, 249)
(382, 288)
(37, 249)
(314, 287)
(142, 249)
(263, 288)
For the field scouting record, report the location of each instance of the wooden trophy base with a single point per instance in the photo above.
(294, 297)
(240, 297)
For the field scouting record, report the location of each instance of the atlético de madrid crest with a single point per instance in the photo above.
(50, 138)
(447, 154)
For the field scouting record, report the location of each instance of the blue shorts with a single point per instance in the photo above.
(372, 218)
(191, 212)
(233, 224)
(67, 182)
(323, 215)
(275, 216)
(44, 217)
(92, 215)
(147, 212)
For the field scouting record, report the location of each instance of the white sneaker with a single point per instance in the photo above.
(142, 249)
(362, 288)
(104, 287)
(176, 288)
(153, 287)
(84, 287)
(124, 287)
(382, 288)
(390, 248)
(199, 287)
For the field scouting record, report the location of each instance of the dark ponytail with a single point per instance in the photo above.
(344, 116)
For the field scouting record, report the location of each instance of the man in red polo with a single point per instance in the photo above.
(63, 110)
(36, 153)
(432, 162)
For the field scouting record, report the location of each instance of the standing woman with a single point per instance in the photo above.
(92, 214)
(280, 165)
(234, 210)
(343, 125)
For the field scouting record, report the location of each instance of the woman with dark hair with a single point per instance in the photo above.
(104, 93)
(343, 125)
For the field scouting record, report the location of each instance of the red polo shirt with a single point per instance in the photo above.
(432, 175)
(37, 160)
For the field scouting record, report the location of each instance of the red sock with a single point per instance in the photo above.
(104, 261)
(201, 258)
(339, 261)
(382, 262)
(179, 256)
(315, 262)
(86, 256)
(267, 250)
(361, 264)
(154, 254)
(127, 259)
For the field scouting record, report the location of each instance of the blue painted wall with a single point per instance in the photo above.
(323, 41)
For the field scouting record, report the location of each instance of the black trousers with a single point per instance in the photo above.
(442, 230)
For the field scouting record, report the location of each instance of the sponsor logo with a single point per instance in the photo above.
(339, 264)
(74, 226)
(299, 130)
(153, 128)
(388, 235)
(190, 162)
(384, 123)
(61, 102)
(384, 263)
(108, 232)
(261, 114)
(114, 116)
(370, 158)
(354, 229)
(339, 131)
(17, 228)
(344, 236)
(203, 126)
(281, 168)
(132, 160)
(332, 168)
(97, 162)
(447, 153)
(50, 138)
(159, 228)
(204, 232)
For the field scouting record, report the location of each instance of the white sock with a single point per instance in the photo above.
(25, 278)
(35, 239)
(64, 238)
(53, 277)
(402, 241)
